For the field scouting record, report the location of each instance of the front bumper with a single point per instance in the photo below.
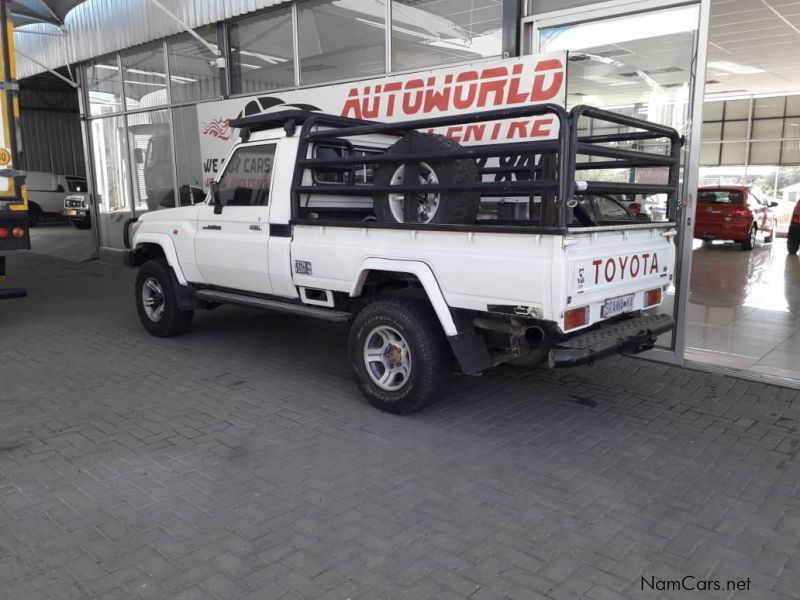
(75, 213)
(129, 258)
(630, 336)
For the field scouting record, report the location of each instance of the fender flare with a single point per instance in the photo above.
(426, 277)
(166, 244)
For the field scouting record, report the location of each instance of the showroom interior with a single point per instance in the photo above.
(136, 92)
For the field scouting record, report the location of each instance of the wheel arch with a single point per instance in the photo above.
(154, 245)
(423, 274)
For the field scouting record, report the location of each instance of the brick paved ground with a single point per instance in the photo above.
(240, 461)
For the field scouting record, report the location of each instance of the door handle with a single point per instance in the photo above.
(213, 227)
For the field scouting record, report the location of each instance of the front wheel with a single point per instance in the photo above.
(82, 223)
(750, 242)
(156, 302)
(400, 356)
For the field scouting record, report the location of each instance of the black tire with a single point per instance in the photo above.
(173, 321)
(34, 215)
(750, 242)
(82, 223)
(430, 362)
(453, 207)
(793, 245)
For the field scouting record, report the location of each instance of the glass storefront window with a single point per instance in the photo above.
(144, 76)
(103, 86)
(641, 64)
(188, 161)
(151, 155)
(341, 40)
(262, 55)
(427, 33)
(111, 183)
(193, 72)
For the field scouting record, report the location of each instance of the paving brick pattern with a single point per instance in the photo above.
(240, 461)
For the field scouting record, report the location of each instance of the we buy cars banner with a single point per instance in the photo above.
(464, 89)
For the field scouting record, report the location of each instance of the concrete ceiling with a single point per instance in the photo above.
(754, 47)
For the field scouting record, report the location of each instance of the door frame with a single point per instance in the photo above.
(530, 27)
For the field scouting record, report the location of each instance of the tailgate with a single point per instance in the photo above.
(610, 270)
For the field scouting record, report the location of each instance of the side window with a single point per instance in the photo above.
(76, 185)
(366, 173)
(247, 176)
(362, 173)
(609, 209)
(331, 175)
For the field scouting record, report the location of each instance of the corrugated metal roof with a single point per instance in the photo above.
(98, 27)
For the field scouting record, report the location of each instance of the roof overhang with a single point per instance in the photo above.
(25, 12)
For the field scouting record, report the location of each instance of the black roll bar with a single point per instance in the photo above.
(561, 156)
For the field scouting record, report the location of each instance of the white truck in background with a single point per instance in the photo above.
(47, 192)
(432, 251)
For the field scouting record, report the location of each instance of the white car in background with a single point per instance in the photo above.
(784, 213)
(47, 191)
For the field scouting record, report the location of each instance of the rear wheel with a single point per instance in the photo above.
(445, 207)
(750, 242)
(34, 215)
(793, 245)
(156, 302)
(399, 355)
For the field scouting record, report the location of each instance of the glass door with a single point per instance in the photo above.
(647, 62)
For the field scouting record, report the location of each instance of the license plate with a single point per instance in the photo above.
(69, 212)
(616, 306)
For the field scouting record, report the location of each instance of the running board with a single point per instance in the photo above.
(326, 314)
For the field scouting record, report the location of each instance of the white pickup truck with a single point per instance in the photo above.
(436, 253)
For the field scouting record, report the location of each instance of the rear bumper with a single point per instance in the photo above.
(10, 220)
(11, 293)
(733, 230)
(621, 337)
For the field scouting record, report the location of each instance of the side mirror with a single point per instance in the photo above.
(773, 204)
(216, 201)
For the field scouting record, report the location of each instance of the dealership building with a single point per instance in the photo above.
(127, 92)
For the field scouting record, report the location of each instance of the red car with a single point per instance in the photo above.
(793, 241)
(734, 212)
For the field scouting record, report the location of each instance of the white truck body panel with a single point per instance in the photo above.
(542, 275)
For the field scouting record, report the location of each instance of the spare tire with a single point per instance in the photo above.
(445, 207)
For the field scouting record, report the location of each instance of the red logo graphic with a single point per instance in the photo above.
(616, 268)
(218, 128)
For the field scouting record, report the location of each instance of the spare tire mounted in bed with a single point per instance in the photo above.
(434, 207)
